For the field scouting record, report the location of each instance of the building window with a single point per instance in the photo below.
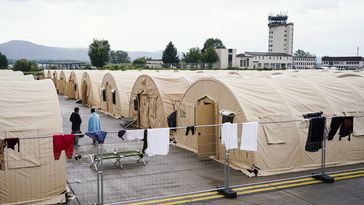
(241, 63)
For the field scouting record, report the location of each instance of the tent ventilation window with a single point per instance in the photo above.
(103, 95)
(136, 103)
(114, 98)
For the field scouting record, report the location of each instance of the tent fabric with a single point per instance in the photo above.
(159, 95)
(73, 90)
(90, 87)
(17, 78)
(11, 73)
(120, 83)
(264, 99)
(32, 176)
(63, 80)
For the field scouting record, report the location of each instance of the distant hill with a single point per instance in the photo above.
(24, 49)
(18, 49)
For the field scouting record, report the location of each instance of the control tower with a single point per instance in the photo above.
(280, 34)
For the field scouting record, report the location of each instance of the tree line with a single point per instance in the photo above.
(100, 54)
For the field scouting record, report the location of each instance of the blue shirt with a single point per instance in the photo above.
(94, 123)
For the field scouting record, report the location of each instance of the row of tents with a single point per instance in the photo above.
(199, 98)
(30, 109)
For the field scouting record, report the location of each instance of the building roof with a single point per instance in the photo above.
(295, 57)
(267, 54)
(240, 55)
(342, 58)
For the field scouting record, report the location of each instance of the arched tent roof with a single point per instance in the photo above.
(159, 95)
(63, 80)
(31, 109)
(120, 83)
(17, 78)
(90, 87)
(11, 73)
(74, 84)
(280, 145)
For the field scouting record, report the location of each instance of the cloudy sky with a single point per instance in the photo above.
(322, 27)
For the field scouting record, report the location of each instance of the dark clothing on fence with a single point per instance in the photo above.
(99, 136)
(346, 126)
(172, 120)
(75, 118)
(145, 141)
(192, 128)
(334, 126)
(11, 142)
(315, 134)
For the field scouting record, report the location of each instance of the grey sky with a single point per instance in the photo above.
(322, 27)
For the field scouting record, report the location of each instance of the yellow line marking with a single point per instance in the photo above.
(262, 190)
(307, 180)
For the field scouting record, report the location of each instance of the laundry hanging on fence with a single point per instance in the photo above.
(158, 141)
(99, 136)
(315, 134)
(249, 136)
(190, 128)
(172, 120)
(229, 135)
(2, 159)
(11, 142)
(63, 142)
(347, 126)
(134, 134)
(334, 126)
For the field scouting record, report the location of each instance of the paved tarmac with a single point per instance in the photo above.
(182, 172)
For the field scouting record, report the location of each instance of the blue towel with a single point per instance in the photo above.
(94, 123)
(99, 136)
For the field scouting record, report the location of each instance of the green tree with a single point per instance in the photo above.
(302, 53)
(3, 61)
(139, 62)
(213, 42)
(119, 57)
(193, 55)
(99, 52)
(170, 54)
(210, 56)
(25, 65)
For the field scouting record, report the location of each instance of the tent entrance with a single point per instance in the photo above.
(84, 93)
(109, 106)
(71, 87)
(143, 111)
(61, 86)
(206, 114)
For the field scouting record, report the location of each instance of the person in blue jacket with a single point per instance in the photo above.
(93, 122)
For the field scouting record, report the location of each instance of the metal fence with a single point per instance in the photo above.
(95, 176)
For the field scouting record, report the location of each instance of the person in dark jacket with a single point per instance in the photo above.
(75, 118)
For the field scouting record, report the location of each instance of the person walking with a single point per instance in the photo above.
(93, 122)
(75, 118)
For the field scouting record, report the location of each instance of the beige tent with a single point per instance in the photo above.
(17, 78)
(73, 89)
(63, 80)
(155, 96)
(115, 92)
(90, 87)
(266, 99)
(11, 73)
(31, 176)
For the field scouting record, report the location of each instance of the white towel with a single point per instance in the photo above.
(229, 135)
(135, 134)
(249, 137)
(158, 141)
